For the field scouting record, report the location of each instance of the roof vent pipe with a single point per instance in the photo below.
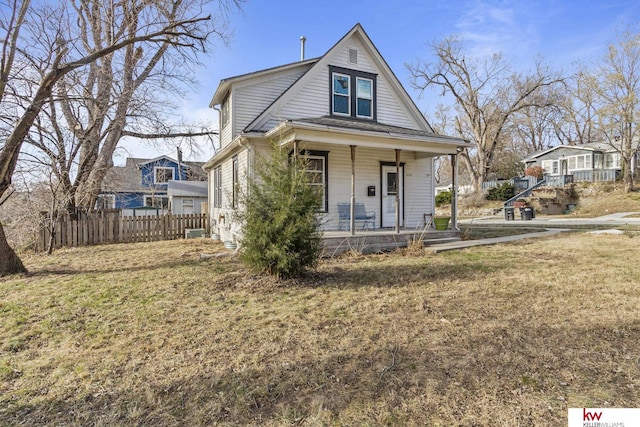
(302, 40)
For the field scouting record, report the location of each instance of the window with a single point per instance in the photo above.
(225, 111)
(364, 96)
(550, 167)
(341, 94)
(234, 175)
(316, 169)
(611, 161)
(162, 175)
(217, 187)
(353, 93)
(161, 202)
(598, 161)
(582, 161)
(106, 201)
(187, 206)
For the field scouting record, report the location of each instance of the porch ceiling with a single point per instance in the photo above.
(363, 134)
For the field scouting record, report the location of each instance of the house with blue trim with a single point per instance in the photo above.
(141, 186)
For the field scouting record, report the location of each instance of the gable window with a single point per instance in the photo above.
(162, 174)
(353, 93)
(364, 96)
(217, 187)
(234, 175)
(341, 94)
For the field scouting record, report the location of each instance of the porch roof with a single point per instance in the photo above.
(367, 134)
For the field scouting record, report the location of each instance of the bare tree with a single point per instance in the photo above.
(533, 128)
(618, 90)
(577, 123)
(61, 59)
(130, 92)
(486, 92)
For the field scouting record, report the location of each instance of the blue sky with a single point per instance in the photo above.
(267, 34)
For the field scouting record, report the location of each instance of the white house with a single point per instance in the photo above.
(367, 142)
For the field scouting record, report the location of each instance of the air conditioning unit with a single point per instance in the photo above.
(193, 233)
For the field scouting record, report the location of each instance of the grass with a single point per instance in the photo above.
(604, 199)
(150, 334)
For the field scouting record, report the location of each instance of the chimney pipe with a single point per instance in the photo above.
(302, 40)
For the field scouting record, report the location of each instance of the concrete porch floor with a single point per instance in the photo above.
(381, 240)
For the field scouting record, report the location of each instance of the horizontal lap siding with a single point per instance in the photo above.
(252, 99)
(418, 191)
(313, 100)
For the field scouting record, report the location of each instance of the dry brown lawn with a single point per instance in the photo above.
(151, 335)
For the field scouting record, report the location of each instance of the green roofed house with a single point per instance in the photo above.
(368, 144)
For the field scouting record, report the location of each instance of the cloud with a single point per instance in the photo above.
(493, 26)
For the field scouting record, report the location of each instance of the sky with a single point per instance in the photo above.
(267, 33)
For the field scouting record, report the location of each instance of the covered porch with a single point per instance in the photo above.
(380, 180)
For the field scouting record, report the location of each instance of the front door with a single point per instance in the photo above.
(392, 185)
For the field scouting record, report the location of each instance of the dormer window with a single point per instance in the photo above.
(353, 93)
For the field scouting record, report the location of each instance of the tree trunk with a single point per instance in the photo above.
(9, 261)
(628, 175)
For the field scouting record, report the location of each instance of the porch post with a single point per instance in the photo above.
(352, 208)
(296, 148)
(397, 190)
(454, 191)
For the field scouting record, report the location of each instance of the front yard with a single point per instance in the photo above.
(151, 334)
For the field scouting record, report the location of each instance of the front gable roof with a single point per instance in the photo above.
(321, 64)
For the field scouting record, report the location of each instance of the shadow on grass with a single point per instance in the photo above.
(522, 374)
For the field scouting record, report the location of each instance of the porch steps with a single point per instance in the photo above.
(368, 244)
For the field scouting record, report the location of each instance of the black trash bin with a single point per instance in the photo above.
(509, 214)
(527, 214)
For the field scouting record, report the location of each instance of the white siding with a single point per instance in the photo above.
(253, 98)
(313, 99)
(227, 229)
(418, 187)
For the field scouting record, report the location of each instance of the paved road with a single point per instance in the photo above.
(618, 219)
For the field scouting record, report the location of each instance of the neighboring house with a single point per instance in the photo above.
(140, 186)
(364, 137)
(573, 163)
(187, 197)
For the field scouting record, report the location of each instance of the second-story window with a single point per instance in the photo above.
(364, 95)
(341, 94)
(162, 175)
(353, 93)
(225, 111)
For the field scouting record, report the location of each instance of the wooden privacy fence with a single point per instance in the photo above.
(102, 227)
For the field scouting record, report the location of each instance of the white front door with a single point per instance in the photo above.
(392, 185)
